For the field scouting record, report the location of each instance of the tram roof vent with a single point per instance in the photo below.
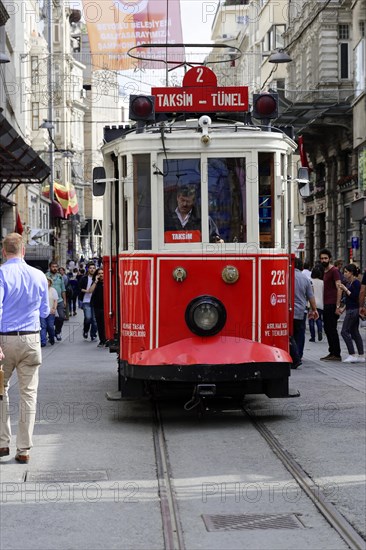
(114, 132)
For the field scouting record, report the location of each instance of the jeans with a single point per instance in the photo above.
(59, 321)
(296, 359)
(89, 320)
(48, 326)
(350, 332)
(299, 334)
(330, 320)
(319, 325)
(99, 316)
(72, 304)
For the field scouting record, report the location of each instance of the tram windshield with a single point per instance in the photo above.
(204, 205)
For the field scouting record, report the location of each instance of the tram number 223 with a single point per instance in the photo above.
(278, 277)
(130, 278)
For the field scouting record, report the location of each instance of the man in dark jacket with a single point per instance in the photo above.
(85, 295)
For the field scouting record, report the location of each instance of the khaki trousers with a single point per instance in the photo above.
(22, 353)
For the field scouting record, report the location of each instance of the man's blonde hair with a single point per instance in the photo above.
(12, 244)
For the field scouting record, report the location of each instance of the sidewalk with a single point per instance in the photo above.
(350, 374)
(314, 350)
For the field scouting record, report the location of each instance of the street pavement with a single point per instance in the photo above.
(91, 481)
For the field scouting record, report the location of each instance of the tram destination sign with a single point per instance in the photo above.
(201, 94)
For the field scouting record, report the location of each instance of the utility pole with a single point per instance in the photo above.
(51, 128)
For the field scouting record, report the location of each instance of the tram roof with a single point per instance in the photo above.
(189, 126)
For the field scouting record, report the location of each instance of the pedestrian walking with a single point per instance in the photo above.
(23, 300)
(59, 285)
(79, 276)
(350, 328)
(339, 265)
(48, 323)
(68, 291)
(362, 298)
(74, 286)
(318, 288)
(306, 270)
(85, 295)
(332, 305)
(303, 294)
(97, 302)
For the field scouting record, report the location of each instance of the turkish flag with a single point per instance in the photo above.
(303, 155)
(18, 225)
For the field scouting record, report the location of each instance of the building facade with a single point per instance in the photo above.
(322, 97)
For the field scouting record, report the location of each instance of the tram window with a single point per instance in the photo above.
(182, 200)
(142, 201)
(265, 204)
(227, 197)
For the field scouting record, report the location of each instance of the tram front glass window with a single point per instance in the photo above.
(227, 199)
(142, 201)
(182, 200)
(265, 204)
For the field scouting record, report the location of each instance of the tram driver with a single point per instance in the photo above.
(186, 216)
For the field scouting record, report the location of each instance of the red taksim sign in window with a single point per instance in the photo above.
(201, 94)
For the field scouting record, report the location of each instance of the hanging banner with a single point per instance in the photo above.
(303, 155)
(66, 197)
(116, 26)
(18, 225)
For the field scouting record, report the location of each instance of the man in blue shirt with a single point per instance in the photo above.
(23, 300)
(303, 294)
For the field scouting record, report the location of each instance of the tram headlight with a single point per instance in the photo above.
(205, 316)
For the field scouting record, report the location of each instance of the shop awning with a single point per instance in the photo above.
(7, 201)
(19, 163)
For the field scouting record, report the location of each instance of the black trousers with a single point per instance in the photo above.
(330, 320)
(99, 317)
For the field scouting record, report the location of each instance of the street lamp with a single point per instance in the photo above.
(280, 56)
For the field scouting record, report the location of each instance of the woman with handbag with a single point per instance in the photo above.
(350, 328)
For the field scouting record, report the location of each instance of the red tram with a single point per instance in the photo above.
(198, 277)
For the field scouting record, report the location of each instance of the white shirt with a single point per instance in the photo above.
(318, 286)
(87, 295)
(52, 296)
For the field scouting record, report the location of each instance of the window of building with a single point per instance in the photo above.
(344, 52)
(56, 33)
(274, 39)
(344, 60)
(35, 116)
(34, 70)
(343, 32)
(362, 25)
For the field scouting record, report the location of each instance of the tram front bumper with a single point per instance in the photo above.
(213, 359)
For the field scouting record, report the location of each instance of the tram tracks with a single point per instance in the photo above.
(172, 530)
(327, 509)
(171, 522)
